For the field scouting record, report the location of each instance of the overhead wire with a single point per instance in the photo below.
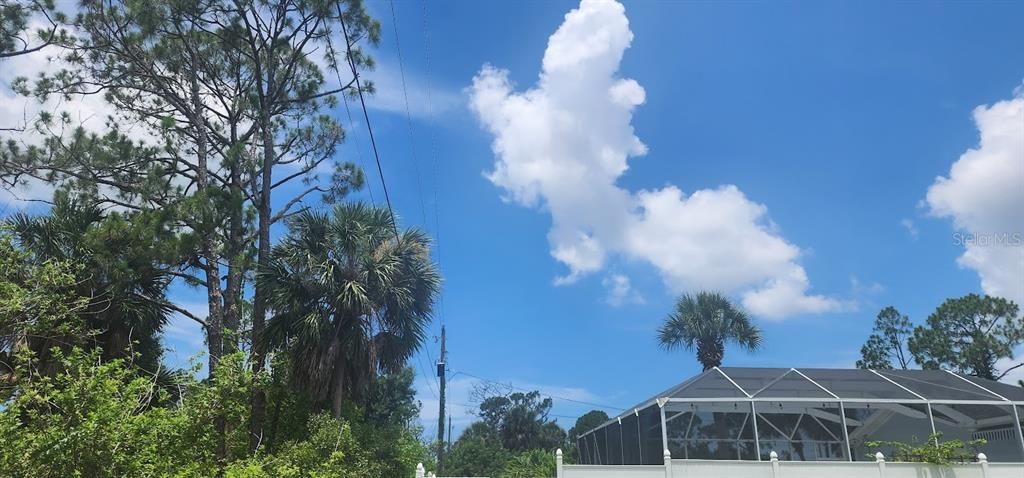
(571, 417)
(555, 397)
(415, 162)
(408, 113)
(351, 124)
(366, 117)
(373, 143)
(359, 147)
(433, 150)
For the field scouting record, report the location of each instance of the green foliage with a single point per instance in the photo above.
(707, 322)
(514, 437)
(886, 348)
(969, 335)
(392, 400)
(94, 419)
(120, 275)
(330, 451)
(104, 419)
(476, 457)
(529, 464)
(520, 421)
(933, 450)
(584, 424)
(39, 310)
(350, 300)
(17, 38)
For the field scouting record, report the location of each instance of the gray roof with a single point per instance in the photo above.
(825, 384)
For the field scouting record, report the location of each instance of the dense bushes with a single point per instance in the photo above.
(101, 419)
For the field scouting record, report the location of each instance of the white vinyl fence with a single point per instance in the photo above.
(784, 469)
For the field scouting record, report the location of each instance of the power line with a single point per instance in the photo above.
(423, 370)
(467, 405)
(351, 122)
(376, 153)
(408, 113)
(359, 147)
(433, 146)
(443, 359)
(366, 116)
(413, 154)
(556, 397)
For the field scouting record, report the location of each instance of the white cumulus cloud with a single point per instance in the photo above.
(562, 145)
(983, 194)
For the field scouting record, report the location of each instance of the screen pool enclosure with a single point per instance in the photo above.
(810, 415)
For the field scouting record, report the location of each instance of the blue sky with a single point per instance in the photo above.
(836, 117)
(784, 153)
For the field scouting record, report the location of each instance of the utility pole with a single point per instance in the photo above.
(441, 414)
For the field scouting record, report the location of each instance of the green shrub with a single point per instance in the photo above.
(100, 419)
(529, 464)
(933, 450)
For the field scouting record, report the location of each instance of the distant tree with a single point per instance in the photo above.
(969, 335)
(514, 437)
(472, 455)
(480, 432)
(886, 348)
(707, 322)
(520, 421)
(392, 400)
(587, 422)
(584, 424)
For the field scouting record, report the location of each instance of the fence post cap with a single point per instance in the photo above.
(558, 452)
(668, 454)
(773, 456)
(879, 456)
(982, 458)
(419, 467)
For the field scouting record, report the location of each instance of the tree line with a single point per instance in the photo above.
(223, 127)
(968, 335)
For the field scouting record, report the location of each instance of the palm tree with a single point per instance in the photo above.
(708, 321)
(350, 300)
(120, 276)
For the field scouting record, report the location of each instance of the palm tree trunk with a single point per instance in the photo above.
(337, 389)
(710, 353)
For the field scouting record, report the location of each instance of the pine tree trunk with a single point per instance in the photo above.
(211, 266)
(259, 309)
(235, 247)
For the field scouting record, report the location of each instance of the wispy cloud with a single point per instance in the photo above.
(426, 98)
(620, 291)
(911, 228)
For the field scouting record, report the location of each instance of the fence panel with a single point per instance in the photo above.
(721, 469)
(785, 469)
(613, 471)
